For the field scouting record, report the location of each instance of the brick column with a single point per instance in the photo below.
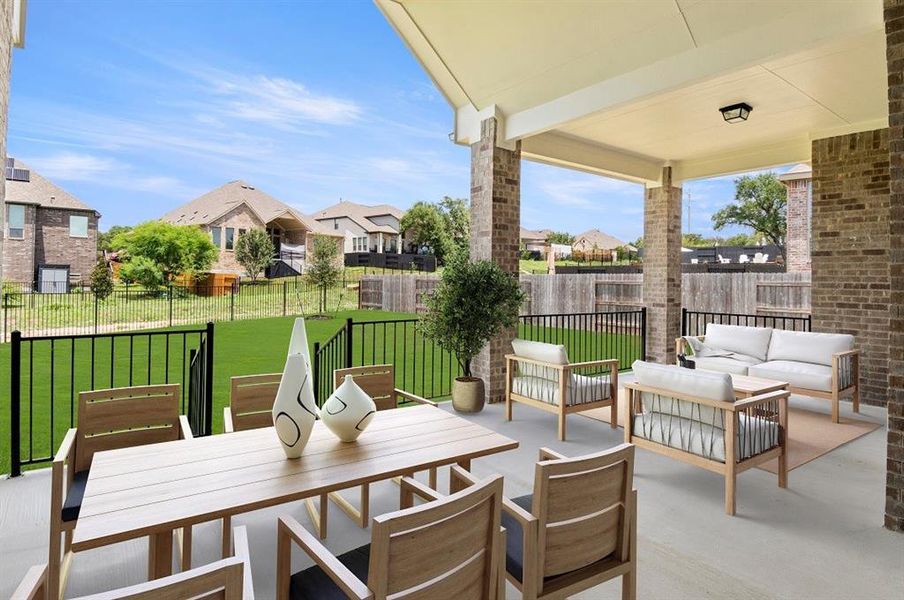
(6, 57)
(894, 490)
(797, 240)
(495, 222)
(662, 268)
(850, 249)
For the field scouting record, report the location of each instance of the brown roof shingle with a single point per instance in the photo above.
(361, 214)
(40, 191)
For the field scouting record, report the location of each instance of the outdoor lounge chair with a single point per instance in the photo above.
(107, 419)
(743, 259)
(723, 261)
(450, 547)
(577, 530)
(539, 375)
(230, 578)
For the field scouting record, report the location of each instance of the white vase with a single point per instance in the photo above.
(298, 343)
(348, 411)
(295, 410)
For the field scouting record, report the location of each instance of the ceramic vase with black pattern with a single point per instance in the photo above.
(348, 411)
(295, 408)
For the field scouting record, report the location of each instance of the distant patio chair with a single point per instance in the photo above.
(723, 261)
(743, 259)
(695, 261)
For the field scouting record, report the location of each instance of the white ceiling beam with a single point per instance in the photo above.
(561, 150)
(799, 30)
(795, 150)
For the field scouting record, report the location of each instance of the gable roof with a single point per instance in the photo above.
(361, 214)
(38, 190)
(209, 207)
(595, 237)
(530, 234)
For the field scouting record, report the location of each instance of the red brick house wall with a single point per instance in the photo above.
(54, 246)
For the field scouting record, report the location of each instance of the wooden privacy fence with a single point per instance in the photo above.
(744, 293)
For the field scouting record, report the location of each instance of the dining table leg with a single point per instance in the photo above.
(160, 555)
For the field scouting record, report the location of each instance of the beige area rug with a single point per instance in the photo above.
(810, 434)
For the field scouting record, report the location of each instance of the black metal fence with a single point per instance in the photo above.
(391, 261)
(422, 367)
(693, 322)
(47, 373)
(133, 308)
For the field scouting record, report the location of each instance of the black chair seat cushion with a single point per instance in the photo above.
(514, 538)
(73, 503)
(314, 584)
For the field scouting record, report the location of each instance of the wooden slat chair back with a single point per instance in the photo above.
(377, 381)
(583, 507)
(251, 401)
(124, 417)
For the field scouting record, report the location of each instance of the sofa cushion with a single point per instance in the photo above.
(541, 351)
(750, 341)
(798, 374)
(73, 502)
(803, 346)
(755, 434)
(581, 389)
(735, 364)
(314, 584)
(688, 382)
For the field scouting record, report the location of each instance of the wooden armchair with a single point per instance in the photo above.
(229, 578)
(577, 530)
(107, 419)
(250, 402)
(460, 536)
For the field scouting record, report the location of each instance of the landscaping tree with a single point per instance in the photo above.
(170, 249)
(473, 303)
(759, 204)
(143, 271)
(560, 237)
(254, 251)
(324, 272)
(101, 280)
(423, 224)
(105, 239)
(457, 221)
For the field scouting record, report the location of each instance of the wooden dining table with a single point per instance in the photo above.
(155, 489)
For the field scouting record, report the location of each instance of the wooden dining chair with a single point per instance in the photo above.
(577, 530)
(107, 419)
(450, 547)
(250, 402)
(228, 578)
(378, 382)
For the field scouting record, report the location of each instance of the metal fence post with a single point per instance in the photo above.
(96, 312)
(349, 330)
(208, 381)
(285, 297)
(643, 332)
(171, 305)
(316, 375)
(15, 394)
(684, 321)
(232, 304)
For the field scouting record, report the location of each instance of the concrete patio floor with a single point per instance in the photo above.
(820, 538)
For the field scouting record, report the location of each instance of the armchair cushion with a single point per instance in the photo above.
(314, 584)
(750, 341)
(73, 503)
(514, 538)
(687, 382)
(580, 389)
(803, 346)
(798, 374)
(554, 354)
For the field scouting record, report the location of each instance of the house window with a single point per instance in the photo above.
(15, 220)
(230, 238)
(215, 235)
(335, 224)
(359, 244)
(78, 226)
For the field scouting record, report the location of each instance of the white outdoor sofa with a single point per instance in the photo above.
(822, 365)
(539, 374)
(692, 416)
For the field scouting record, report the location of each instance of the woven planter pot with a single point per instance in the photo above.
(467, 394)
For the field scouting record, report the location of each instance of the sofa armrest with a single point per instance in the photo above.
(846, 369)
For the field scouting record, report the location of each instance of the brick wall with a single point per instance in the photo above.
(6, 46)
(19, 255)
(662, 268)
(495, 229)
(850, 249)
(894, 502)
(238, 218)
(797, 239)
(54, 246)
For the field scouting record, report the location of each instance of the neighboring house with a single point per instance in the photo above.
(594, 239)
(50, 237)
(236, 207)
(534, 241)
(365, 228)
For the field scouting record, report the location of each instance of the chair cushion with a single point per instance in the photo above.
(514, 538)
(755, 435)
(689, 382)
(73, 502)
(580, 390)
(798, 374)
(735, 364)
(549, 353)
(314, 584)
(803, 346)
(751, 341)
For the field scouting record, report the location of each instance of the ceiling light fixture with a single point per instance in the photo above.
(736, 112)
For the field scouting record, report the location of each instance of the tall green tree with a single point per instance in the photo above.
(324, 270)
(760, 205)
(424, 224)
(254, 251)
(105, 239)
(560, 237)
(457, 221)
(101, 280)
(172, 249)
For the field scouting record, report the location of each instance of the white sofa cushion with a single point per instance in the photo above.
(798, 374)
(736, 364)
(803, 346)
(750, 341)
(549, 353)
(687, 382)
(755, 435)
(580, 389)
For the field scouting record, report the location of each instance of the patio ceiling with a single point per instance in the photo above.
(625, 88)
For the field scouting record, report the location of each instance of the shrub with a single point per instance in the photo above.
(101, 281)
(324, 272)
(143, 271)
(254, 251)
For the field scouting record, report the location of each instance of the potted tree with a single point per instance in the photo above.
(473, 302)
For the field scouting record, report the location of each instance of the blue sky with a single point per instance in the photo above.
(137, 107)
